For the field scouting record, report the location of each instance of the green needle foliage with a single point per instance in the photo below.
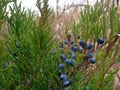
(29, 55)
(29, 48)
(101, 20)
(3, 6)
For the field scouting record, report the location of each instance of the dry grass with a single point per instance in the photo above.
(65, 20)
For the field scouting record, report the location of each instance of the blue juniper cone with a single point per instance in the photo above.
(78, 36)
(68, 62)
(14, 54)
(82, 43)
(63, 56)
(74, 55)
(81, 50)
(59, 73)
(89, 55)
(69, 36)
(66, 83)
(75, 48)
(72, 41)
(87, 87)
(70, 51)
(61, 48)
(100, 40)
(89, 46)
(5, 64)
(17, 44)
(61, 66)
(67, 72)
(63, 77)
(92, 60)
(66, 42)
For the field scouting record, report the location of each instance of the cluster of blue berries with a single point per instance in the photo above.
(20, 50)
(69, 52)
(17, 46)
(14, 54)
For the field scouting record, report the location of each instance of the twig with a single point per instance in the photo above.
(68, 7)
(118, 76)
(111, 44)
(106, 70)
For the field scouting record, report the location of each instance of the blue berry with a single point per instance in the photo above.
(89, 46)
(92, 60)
(63, 56)
(75, 48)
(66, 83)
(74, 55)
(61, 48)
(14, 54)
(72, 41)
(59, 73)
(87, 88)
(100, 40)
(89, 55)
(82, 43)
(78, 36)
(63, 77)
(69, 36)
(65, 42)
(68, 61)
(61, 66)
(17, 44)
(67, 73)
(81, 50)
(5, 64)
(69, 51)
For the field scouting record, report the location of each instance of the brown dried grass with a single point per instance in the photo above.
(65, 20)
